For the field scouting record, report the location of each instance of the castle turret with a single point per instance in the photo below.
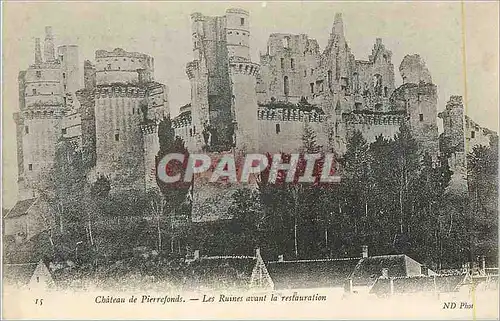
(243, 76)
(48, 47)
(238, 33)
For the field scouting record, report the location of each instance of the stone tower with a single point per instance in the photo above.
(42, 104)
(217, 43)
(418, 95)
(126, 97)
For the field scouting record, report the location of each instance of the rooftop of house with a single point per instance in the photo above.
(369, 269)
(415, 284)
(21, 208)
(311, 273)
(19, 274)
(220, 272)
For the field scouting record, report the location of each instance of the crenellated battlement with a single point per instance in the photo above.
(149, 128)
(288, 114)
(372, 118)
(244, 67)
(44, 112)
(119, 52)
(197, 16)
(119, 90)
(192, 68)
(237, 11)
(183, 120)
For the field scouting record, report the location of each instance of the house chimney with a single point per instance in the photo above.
(281, 258)
(257, 252)
(483, 264)
(196, 254)
(364, 251)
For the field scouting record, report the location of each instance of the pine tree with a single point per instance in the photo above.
(309, 144)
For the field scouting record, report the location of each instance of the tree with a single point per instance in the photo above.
(175, 193)
(407, 169)
(482, 166)
(156, 203)
(247, 223)
(309, 144)
(357, 183)
(61, 187)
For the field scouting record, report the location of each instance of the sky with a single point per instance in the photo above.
(163, 29)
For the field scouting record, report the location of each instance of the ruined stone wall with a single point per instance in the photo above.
(282, 130)
(215, 40)
(284, 67)
(372, 125)
(421, 106)
(334, 79)
(89, 75)
(70, 68)
(72, 126)
(453, 125)
(419, 97)
(87, 114)
(476, 135)
(151, 148)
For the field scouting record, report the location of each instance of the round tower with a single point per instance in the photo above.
(238, 33)
(243, 77)
(119, 141)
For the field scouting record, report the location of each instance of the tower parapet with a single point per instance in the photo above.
(244, 104)
(121, 66)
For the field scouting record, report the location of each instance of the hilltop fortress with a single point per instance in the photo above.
(236, 105)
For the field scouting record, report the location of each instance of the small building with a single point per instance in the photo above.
(370, 269)
(228, 273)
(32, 276)
(311, 274)
(27, 219)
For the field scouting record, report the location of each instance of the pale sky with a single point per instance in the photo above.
(162, 29)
